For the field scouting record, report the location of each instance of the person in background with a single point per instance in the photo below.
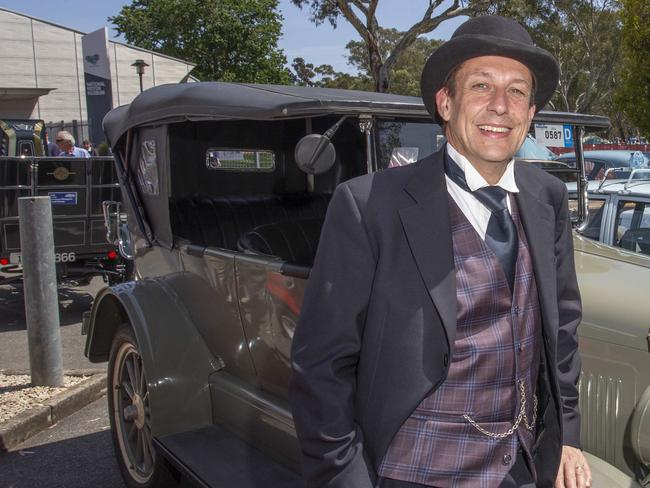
(89, 147)
(51, 148)
(66, 144)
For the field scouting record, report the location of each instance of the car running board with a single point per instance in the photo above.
(212, 457)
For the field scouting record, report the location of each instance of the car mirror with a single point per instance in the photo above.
(111, 212)
(315, 154)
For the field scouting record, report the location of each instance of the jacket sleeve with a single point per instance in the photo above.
(570, 314)
(325, 350)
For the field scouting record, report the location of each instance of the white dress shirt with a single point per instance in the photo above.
(477, 213)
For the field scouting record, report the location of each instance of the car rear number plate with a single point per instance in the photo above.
(59, 257)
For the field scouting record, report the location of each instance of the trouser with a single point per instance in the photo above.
(519, 476)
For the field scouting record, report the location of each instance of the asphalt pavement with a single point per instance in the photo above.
(73, 301)
(77, 452)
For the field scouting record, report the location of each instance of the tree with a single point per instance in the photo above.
(634, 93)
(406, 73)
(583, 35)
(362, 16)
(229, 40)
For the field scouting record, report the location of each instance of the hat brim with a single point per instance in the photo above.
(459, 49)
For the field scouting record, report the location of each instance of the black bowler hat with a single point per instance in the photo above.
(489, 35)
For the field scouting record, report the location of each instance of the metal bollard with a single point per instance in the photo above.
(40, 289)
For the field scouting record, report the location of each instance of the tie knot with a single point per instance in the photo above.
(494, 198)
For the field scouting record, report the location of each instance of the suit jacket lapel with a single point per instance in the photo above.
(538, 219)
(428, 231)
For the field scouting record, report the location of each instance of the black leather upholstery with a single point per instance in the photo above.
(294, 241)
(221, 221)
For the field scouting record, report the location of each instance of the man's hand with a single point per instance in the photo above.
(574, 471)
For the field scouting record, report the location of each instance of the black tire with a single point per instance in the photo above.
(130, 417)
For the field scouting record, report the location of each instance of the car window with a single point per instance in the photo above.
(632, 229)
(239, 159)
(595, 220)
(401, 143)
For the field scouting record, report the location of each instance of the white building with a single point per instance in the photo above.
(42, 75)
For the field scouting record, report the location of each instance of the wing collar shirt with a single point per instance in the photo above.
(477, 213)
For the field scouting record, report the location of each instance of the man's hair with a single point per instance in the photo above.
(86, 141)
(65, 135)
(450, 82)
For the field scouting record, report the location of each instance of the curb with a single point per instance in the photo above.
(32, 421)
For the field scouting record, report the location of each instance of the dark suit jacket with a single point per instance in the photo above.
(378, 321)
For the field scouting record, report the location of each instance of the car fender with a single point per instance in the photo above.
(604, 474)
(176, 359)
(640, 429)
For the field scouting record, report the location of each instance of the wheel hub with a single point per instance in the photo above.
(135, 412)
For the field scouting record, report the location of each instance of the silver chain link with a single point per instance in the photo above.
(522, 416)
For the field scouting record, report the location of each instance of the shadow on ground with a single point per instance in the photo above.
(81, 462)
(73, 301)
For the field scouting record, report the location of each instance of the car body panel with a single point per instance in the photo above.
(604, 475)
(169, 316)
(614, 349)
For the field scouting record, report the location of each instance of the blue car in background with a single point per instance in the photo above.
(598, 162)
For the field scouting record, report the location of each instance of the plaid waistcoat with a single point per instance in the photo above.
(496, 353)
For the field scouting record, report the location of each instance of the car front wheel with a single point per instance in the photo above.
(130, 416)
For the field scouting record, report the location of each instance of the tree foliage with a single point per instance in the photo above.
(634, 94)
(361, 14)
(405, 76)
(229, 40)
(583, 35)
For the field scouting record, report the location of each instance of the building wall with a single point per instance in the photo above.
(38, 54)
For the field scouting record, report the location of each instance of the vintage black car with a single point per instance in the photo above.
(22, 137)
(225, 189)
(76, 187)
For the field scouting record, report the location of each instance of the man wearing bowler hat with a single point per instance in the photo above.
(437, 341)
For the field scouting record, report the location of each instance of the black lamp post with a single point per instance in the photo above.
(140, 65)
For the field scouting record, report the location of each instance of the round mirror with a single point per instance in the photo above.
(314, 154)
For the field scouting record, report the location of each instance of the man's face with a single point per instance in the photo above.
(489, 114)
(64, 144)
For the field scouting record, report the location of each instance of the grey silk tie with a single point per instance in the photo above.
(501, 235)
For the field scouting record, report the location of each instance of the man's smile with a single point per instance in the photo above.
(494, 128)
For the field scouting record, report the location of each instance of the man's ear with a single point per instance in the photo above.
(442, 103)
(531, 114)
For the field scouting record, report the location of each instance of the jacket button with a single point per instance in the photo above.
(445, 359)
(506, 459)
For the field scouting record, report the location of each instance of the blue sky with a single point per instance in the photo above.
(317, 44)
